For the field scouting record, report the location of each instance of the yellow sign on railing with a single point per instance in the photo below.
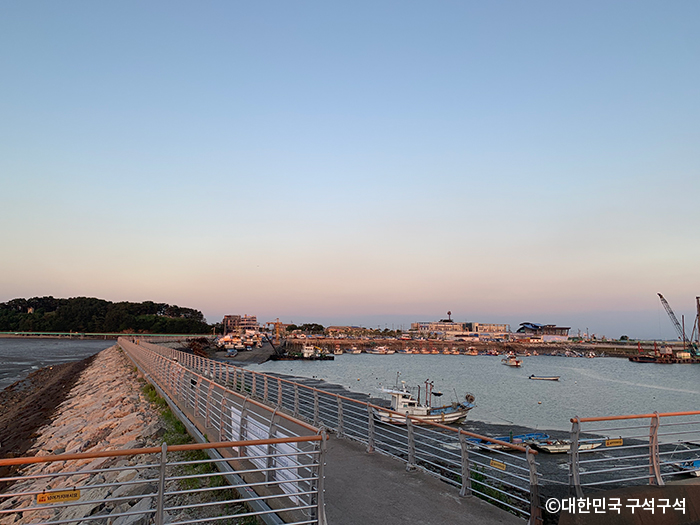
(58, 496)
(498, 464)
(613, 442)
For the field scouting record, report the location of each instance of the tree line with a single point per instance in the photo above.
(88, 314)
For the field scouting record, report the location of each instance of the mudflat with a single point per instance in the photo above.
(29, 404)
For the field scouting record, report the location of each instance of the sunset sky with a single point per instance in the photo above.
(369, 163)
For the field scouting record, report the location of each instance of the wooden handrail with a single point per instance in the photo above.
(154, 450)
(637, 416)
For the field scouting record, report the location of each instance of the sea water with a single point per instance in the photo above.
(602, 386)
(20, 357)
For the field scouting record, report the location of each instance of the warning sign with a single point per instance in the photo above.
(613, 442)
(58, 496)
(498, 464)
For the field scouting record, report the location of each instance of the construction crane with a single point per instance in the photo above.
(277, 326)
(678, 326)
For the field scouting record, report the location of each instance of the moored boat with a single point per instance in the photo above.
(521, 439)
(544, 378)
(559, 446)
(405, 403)
(512, 361)
(382, 350)
(691, 467)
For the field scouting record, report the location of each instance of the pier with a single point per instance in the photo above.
(349, 469)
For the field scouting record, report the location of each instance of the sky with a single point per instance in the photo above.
(371, 163)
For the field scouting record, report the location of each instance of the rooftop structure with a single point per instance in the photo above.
(452, 329)
(547, 332)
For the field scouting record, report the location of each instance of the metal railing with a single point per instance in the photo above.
(169, 484)
(633, 449)
(219, 413)
(501, 473)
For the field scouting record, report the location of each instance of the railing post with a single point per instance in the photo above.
(654, 466)
(197, 384)
(370, 429)
(535, 511)
(222, 417)
(574, 478)
(254, 385)
(321, 500)
(296, 400)
(466, 489)
(316, 408)
(161, 485)
(243, 424)
(339, 430)
(265, 389)
(207, 413)
(269, 474)
(279, 393)
(411, 442)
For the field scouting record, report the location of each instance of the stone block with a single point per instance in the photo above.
(137, 519)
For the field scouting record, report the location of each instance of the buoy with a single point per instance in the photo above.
(358, 378)
(539, 402)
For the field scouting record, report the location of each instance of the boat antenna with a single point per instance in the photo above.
(396, 386)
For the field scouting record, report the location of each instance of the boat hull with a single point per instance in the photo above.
(691, 468)
(445, 418)
(561, 447)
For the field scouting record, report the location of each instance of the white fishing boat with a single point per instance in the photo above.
(308, 351)
(228, 341)
(354, 350)
(404, 402)
(512, 361)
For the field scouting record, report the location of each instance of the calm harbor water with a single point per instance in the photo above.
(601, 386)
(20, 357)
(504, 395)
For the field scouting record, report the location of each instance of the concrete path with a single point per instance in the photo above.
(369, 489)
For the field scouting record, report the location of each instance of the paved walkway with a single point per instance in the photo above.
(368, 489)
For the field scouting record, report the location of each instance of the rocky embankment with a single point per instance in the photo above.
(104, 410)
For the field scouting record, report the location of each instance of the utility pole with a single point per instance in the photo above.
(697, 319)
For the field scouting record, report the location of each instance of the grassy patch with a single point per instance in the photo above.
(488, 492)
(205, 475)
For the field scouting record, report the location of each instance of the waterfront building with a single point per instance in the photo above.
(456, 331)
(240, 323)
(543, 332)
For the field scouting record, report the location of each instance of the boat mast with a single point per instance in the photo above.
(429, 393)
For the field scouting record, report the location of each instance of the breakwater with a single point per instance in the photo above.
(104, 410)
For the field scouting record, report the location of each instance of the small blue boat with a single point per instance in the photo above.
(521, 439)
(689, 467)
